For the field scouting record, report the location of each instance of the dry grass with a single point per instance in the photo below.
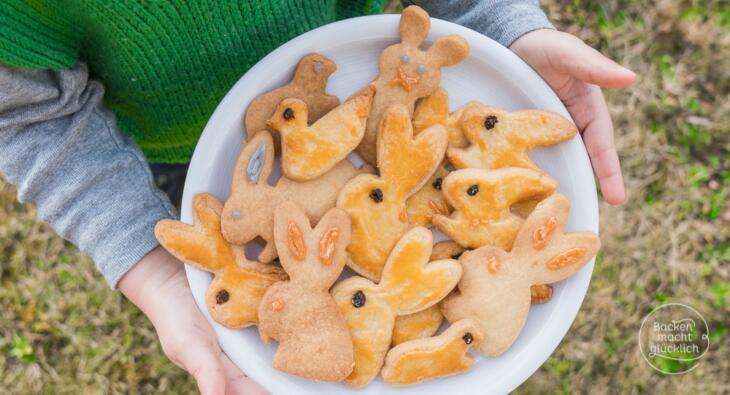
(63, 331)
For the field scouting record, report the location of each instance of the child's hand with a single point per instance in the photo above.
(158, 286)
(577, 72)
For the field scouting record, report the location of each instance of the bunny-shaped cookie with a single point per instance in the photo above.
(314, 341)
(407, 73)
(501, 138)
(482, 200)
(308, 84)
(308, 151)
(424, 359)
(409, 284)
(495, 288)
(249, 211)
(239, 284)
(377, 204)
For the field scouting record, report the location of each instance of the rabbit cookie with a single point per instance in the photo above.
(409, 284)
(434, 109)
(249, 211)
(314, 340)
(407, 73)
(495, 288)
(308, 151)
(424, 359)
(309, 84)
(540, 293)
(482, 200)
(377, 204)
(500, 138)
(234, 294)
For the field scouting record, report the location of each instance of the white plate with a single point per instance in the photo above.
(492, 74)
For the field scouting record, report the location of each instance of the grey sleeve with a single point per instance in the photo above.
(501, 20)
(63, 151)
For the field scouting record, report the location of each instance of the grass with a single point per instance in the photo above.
(63, 331)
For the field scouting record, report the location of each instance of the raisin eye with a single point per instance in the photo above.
(288, 113)
(490, 122)
(377, 195)
(437, 183)
(358, 299)
(473, 190)
(222, 296)
(468, 338)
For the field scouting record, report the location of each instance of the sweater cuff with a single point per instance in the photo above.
(511, 20)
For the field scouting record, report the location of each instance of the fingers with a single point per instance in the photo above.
(579, 60)
(591, 115)
(204, 364)
(238, 383)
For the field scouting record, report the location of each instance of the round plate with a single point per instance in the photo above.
(491, 74)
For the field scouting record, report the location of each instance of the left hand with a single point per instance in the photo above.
(577, 73)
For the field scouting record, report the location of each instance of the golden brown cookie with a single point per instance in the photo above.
(308, 151)
(482, 200)
(308, 84)
(238, 284)
(249, 211)
(417, 325)
(377, 204)
(424, 359)
(409, 284)
(541, 293)
(500, 138)
(407, 73)
(495, 287)
(428, 200)
(434, 109)
(314, 340)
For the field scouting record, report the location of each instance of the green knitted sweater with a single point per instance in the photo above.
(165, 64)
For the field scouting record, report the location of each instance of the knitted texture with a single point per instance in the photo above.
(165, 64)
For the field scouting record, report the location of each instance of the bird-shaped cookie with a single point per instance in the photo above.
(308, 151)
(501, 138)
(482, 200)
(308, 84)
(444, 355)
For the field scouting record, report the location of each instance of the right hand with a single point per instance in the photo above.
(158, 286)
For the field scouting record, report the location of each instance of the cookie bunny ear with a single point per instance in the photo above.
(405, 162)
(448, 51)
(315, 254)
(414, 25)
(412, 283)
(200, 244)
(255, 162)
(553, 255)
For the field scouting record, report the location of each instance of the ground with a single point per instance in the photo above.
(62, 330)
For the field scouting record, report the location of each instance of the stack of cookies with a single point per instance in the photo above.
(465, 173)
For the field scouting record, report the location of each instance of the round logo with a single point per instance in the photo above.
(673, 337)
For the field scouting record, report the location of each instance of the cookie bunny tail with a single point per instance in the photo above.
(552, 254)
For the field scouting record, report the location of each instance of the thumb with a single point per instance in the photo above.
(582, 62)
(204, 364)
